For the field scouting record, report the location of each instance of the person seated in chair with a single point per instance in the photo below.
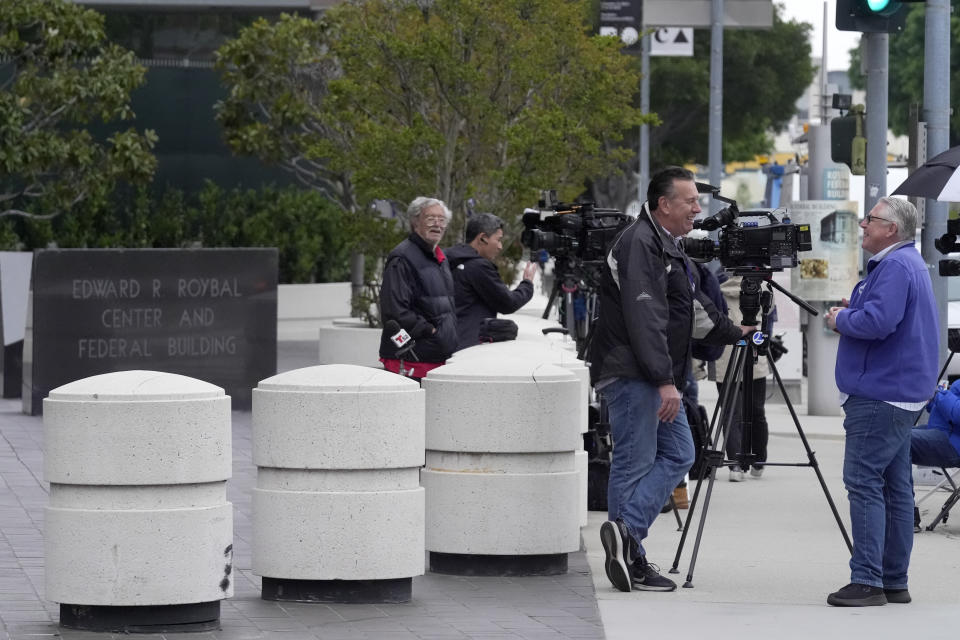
(937, 443)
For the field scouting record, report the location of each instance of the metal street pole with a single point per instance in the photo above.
(936, 112)
(644, 178)
(878, 80)
(715, 148)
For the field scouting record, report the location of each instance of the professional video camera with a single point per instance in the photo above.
(581, 230)
(946, 244)
(748, 240)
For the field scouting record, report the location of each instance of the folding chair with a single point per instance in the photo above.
(953, 346)
(952, 500)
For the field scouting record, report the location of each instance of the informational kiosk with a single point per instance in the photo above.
(210, 314)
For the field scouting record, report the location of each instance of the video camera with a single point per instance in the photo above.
(580, 231)
(745, 242)
(946, 244)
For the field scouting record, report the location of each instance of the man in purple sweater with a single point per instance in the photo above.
(886, 372)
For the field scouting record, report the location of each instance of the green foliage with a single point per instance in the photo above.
(313, 237)
(765, 71)
(906, 70)
(390, 99)
(59, 74)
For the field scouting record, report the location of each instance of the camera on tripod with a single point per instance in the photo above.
(580, 231)
(752, 240)
(946, 244)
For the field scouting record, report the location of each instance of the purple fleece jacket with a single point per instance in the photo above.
(889, 333)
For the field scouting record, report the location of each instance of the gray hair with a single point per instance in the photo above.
(903, 214)
(422, 202)
(482, 223)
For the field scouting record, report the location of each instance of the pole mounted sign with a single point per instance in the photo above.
(672, 41)
(621, 18)
(743, 14)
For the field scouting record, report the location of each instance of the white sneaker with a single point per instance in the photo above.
(756, 472)
(736, 475)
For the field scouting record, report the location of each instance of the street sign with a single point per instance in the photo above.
(621, 18)
(743, 14)
(672, 41)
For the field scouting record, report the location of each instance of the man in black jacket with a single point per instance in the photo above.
(478, 290)
(650, 308)
(417, 292)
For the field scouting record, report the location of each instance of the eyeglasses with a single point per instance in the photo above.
(870, 218)
(439, 221)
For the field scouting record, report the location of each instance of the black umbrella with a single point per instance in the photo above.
(938, 178)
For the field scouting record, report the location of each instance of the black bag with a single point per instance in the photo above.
(700, 430)
(497, 330)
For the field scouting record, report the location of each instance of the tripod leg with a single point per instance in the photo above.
(811, 456)
(713, 457)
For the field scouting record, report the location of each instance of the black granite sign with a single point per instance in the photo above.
(210, 314)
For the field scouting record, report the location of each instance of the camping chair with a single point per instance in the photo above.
(953, 346)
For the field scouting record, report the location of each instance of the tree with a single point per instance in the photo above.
(765, 71)
(59, 74)
(458, 99)
(906, 70)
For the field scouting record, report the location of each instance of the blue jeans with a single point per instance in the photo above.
(649, 457)
(879, 482)
(931, 447)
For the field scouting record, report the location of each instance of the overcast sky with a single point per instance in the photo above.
(838, 42)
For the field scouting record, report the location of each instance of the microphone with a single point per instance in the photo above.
(400, 338)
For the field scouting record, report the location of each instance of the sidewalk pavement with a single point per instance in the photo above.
(771, 551)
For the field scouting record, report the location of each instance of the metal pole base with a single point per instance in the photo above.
(174, 618)
(392, 591)
(464, 564)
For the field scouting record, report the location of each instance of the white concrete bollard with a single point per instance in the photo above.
(551, 354)
(139, 532)
(500, 477)
(338, 511)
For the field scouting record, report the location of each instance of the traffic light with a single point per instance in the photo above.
(847, 144)
(871, 16)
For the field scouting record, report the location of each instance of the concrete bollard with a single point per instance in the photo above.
(338, 511)
(138, 528)
(500, 477)
(545, 352)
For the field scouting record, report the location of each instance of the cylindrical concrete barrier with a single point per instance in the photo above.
(500, 477)
(551, 353)
(338, 511)
(139, 533)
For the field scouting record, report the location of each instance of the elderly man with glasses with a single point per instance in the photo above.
(417, 292)
(886, 372)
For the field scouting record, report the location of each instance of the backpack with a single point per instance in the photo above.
(710, 285)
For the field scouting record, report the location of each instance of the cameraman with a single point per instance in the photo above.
(478, 290)
(639, 359)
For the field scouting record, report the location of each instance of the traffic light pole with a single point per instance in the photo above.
(878, 81)
(936, 112)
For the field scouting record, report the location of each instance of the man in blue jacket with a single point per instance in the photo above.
(937, 444)
(886, 371)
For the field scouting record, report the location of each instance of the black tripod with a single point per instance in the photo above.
(739, 376)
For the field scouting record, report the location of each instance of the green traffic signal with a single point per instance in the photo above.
(882, 7)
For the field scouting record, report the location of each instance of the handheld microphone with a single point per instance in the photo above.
(400, 338)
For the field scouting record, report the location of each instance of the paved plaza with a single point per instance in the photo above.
(770, 553)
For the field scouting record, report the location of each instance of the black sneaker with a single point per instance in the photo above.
(857, 595)
(616, 544)
(897, 596)
(646, 577)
